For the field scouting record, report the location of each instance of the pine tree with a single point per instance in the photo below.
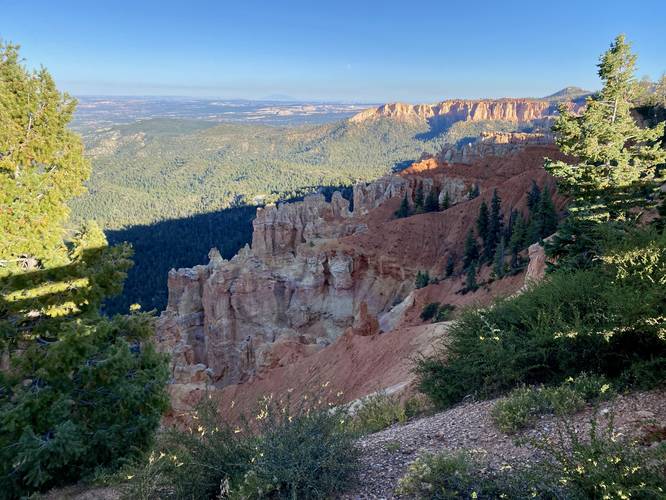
(498, 260)
(41, 165)
(547, 214)
(418, 199)
(617, 159)
(533, 197)
(518, 239)
(450, 266)
(446, 202)
(432, 201)
(403, 211)
(494, 227)
(482, 221)
(508, 230)
(471, 250)
(82, 391)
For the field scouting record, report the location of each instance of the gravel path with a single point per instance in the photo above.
(387, 454)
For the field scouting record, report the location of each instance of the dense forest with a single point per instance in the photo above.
(161, 169)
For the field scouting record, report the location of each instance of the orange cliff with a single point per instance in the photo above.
(326, 293)
(448, 112)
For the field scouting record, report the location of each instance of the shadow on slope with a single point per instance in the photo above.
(185, 242)
(175, 243)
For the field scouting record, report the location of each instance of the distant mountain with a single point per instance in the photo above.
(568, 94)
(448, 112)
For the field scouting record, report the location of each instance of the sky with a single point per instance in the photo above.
(353, 51)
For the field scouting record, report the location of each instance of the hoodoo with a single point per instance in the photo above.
(317, 269)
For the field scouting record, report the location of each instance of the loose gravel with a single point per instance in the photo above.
(387, 454)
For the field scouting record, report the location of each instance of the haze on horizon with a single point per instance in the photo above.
(346, 51)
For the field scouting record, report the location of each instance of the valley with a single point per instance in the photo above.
(178, 176)
(234, 299)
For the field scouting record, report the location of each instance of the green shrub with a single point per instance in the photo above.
(444, 313)
(392, 446)
(304, 452)
(608, 319)
(523, 406)
(439, 476)
(437, 312)
(417, 405)
(601, 465)
(196, 462)
(597, 465)
(429, 311)
(95, 402)
(422, 279)
(284, 451)
(592, 388)
(645, 374)
(458, 475)
(378, 412)
(520, 409)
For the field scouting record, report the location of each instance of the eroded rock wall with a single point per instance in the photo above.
(451, 111)
(317, 271)
(224, 320)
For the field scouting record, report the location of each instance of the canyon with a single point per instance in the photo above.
(325, 293)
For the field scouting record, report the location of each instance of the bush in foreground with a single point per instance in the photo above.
(283, 451)
(608, 319)
(378, 412)
(95, 401)
(595, 465)
(524, 405)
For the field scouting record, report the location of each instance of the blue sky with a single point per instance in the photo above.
(344, 50)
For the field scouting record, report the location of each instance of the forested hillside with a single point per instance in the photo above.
(164, 169)
(167, 185)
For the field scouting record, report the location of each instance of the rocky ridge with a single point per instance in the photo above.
(326, 292)
(448, 112)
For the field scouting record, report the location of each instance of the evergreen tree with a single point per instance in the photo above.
(82, 391)
(547, 214)
(450, 266)
(482, 221)
(617, 159)
(498, 260)
(518, 239)
(471, 250)
(432, 201)
(418, 199)
(533, 197)
(446, 202)
(41, 165)
(533, 230)
(403, 211)
(470, 278)
(494, 227)
(508, 230)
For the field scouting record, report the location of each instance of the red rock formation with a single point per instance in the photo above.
(448, 112)
(274, 316)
